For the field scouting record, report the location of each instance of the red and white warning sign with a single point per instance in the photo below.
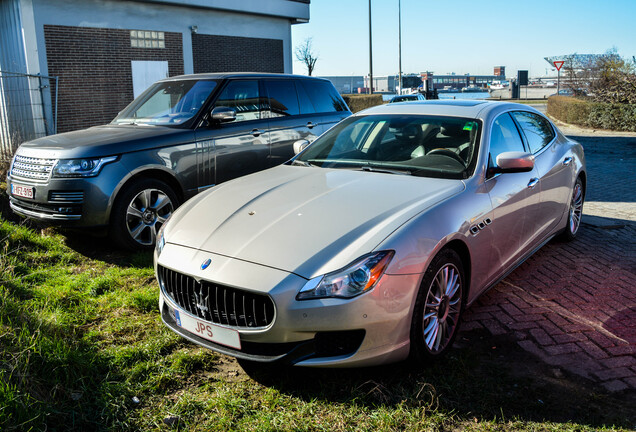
(558, 64)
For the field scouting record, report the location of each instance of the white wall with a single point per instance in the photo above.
(157, 15)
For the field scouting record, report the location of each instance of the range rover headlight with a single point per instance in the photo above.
(66, 168)
(357, 278)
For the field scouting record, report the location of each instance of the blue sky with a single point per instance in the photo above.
(463, 36)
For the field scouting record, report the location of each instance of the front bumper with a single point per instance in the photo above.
(76, 202)
(369, 329)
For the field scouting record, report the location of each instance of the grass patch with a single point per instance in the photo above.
(82, 347)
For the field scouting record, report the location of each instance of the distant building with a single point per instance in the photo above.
(105, 52)
(347, 84)
(460, 81)
(500, 71)
(389, 83)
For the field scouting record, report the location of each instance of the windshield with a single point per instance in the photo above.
(167, 103)
(429, 146)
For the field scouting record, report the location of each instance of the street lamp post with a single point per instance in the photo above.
(400, 45)
(370, 54)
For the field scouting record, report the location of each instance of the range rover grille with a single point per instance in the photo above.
(217, 303)
(32, 168)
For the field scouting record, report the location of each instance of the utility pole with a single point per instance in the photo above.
(370, 54)
(400, 44)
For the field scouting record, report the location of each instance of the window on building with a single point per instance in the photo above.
(147, 39)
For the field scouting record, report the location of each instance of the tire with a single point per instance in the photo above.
(575, 212)
(140, 210)
(438, 307)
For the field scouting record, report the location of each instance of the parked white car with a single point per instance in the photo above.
(369, 244)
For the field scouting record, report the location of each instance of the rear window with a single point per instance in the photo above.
(324, 96)
(536, 129)
(306, 107)
(282, 97)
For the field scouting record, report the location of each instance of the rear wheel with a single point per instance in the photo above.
(575, 213)
(438, 308)
(140, 211)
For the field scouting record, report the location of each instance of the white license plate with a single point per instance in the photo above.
(211, 332)
(22, 191)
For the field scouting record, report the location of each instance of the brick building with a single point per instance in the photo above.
(105, 52)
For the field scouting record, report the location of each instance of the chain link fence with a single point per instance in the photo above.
(28, 107)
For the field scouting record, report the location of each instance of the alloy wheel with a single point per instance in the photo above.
(442, 309)
(576, 208)
(146, 213)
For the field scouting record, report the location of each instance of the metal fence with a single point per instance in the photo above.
(28, 109)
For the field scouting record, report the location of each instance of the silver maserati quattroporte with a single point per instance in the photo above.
(368, 245)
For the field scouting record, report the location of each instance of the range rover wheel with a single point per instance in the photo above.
(438, 307)
(140, 211)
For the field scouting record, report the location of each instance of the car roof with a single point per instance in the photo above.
(447, 107)
(224, 75)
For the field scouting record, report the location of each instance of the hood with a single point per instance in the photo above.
(104, 141)
(304, 220)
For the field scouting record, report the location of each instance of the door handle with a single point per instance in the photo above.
(310, 125)
(533, 183)
(567, 161)
(257, 132)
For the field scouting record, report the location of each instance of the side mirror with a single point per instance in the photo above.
(300, 145)
(223, 114)
(514, 162)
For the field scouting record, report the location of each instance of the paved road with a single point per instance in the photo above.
(574, 304)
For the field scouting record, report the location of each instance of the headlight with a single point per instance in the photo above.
(353, 280)
(80, 167)
(161, 239)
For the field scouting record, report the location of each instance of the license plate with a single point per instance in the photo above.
(22, 191)
(211, 332)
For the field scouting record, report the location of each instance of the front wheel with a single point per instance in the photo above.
(140, 211)
(438, 307)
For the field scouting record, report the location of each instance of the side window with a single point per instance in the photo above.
(537, 130)
(323, 95)
(306, 107)
(504, 137)
(243, 96)
(282, 97)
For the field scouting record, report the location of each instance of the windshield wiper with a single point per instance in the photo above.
(303, 163)
(384, 170)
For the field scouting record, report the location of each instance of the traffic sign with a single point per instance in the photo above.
(558, 64)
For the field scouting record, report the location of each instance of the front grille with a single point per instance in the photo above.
(217, 303)
(59, 196)
(28, 168)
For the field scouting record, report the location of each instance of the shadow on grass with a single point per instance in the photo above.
(99, 246)
(488, 378)
(50, 379)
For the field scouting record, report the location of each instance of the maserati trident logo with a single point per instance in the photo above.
(200, 301)
(206, 264)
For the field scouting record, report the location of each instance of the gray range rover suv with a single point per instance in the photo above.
(181, 136)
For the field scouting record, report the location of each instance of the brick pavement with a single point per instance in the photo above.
(573, 305)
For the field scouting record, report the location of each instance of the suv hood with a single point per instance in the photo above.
(104, 141)
(304, 220)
